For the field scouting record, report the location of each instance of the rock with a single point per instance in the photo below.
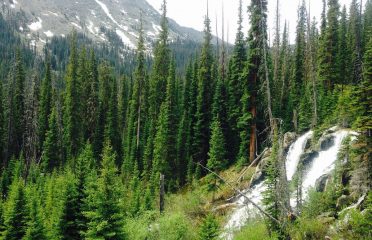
(288, 139)
(343, 201)
(325, 142)
(321, 183)
(259, 174)
(307, 158)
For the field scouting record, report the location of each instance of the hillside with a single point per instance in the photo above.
(149, 132)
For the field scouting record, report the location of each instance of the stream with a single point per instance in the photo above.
(324, 163)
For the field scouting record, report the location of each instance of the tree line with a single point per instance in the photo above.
(81, 154)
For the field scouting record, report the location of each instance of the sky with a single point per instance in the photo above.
(190, 13)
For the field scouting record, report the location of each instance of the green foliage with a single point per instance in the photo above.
(209, 229)
(173, 226)
(15, 212)
(105, 214)
(256, 230)
(308, 229)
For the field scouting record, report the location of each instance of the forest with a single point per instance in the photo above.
(94, 149)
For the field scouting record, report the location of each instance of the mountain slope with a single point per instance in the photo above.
(100, 20)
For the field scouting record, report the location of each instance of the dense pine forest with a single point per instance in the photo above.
(96, 147)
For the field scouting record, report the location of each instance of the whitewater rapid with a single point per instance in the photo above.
(324, 163)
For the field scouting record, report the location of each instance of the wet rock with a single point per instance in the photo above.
(325, 142)
(308, 157)
(288, 139)
(343, 201)
(321, 183)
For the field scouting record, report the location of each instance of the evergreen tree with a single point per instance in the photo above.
(204, 98)
(209, 229)
(16, 123)
(15, 212)
(355, 42)
(92, 90)
(2, 124)
(298, 82)
(83, 89)
(35, 228)
(45, 106)
(217, 152)
(51, 155)
(343, 48)
(105, 214)
(328, 65)
(72, 107)
(134, 138)
(164, 147)
(256, 39)
(158, 81)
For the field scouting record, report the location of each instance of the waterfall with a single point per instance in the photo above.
(324, 163)
(294, 154)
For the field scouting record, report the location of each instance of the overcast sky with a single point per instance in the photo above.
(191, 13)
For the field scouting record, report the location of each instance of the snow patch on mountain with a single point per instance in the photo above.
(124, 38)
(35, 26)
(49, 34)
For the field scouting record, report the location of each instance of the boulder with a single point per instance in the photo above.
(307, 158)
(288, 139)
(321, 183)
(325, 142)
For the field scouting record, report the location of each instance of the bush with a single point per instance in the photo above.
(172, 227)
(255, 231)
(308, 229)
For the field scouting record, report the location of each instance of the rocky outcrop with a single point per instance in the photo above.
(321, 183)
(259, 174)
(325, 142)
(288, 139)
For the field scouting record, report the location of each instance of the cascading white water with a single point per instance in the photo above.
(294, 154)
(324, 163)
(245, 210)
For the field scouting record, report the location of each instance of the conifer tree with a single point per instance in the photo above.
(15, 212)
(2, 126)
(85, 164)
(343, 48)
(355, 42)
(51, 155)
(298, 82)
(16, 123)
(83, 88)
(236, 82)
(45, 106)
(204, 98)
(105, 214)
(134, 138)
(328, 65)
(217, 152)
(209, 229)
(164, 147)
(71, 114)
(256, 39)
(158, 81)
(35, 228)
(92, 89)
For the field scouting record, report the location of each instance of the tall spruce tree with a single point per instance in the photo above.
(204, 98)
(45, 106)
(15, 212)
(134, 138)
(158, 81)
(355, 42)
(71, 116)
(105, 214)
(92, 90)
(164, 147)
(51, 155)
(298, 81)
